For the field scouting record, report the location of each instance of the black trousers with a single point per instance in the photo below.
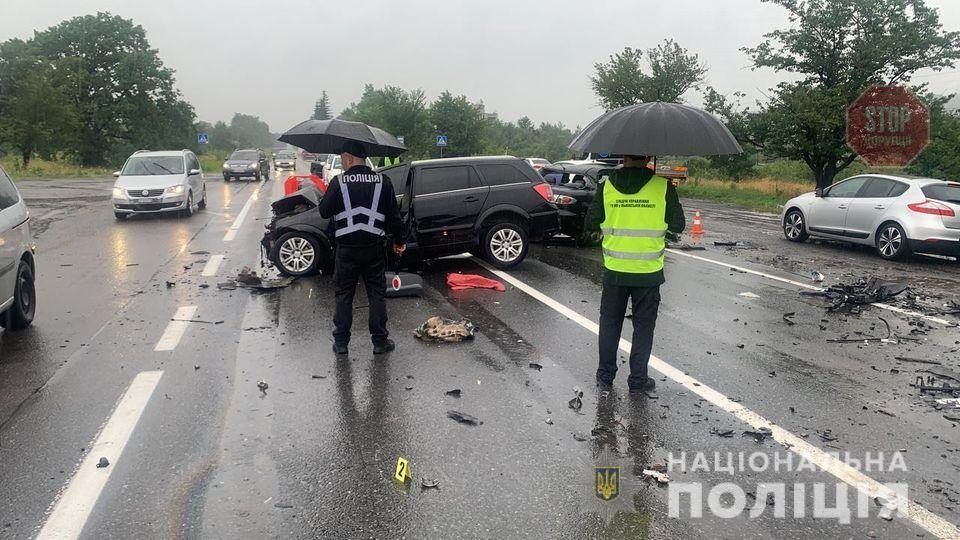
(351, 264)
(613, 308)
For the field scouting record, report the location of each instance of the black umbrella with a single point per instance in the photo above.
(328, 137)
(657, 129)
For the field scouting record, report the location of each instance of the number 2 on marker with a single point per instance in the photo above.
(403, 470)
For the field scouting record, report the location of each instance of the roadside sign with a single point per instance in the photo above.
(400, 138)
(888, 126)
(203, 138)
(441, 140)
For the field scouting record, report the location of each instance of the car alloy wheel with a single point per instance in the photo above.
(20, 314)
(297, 255)
(793, 227)
(890, 241)
(506, 245)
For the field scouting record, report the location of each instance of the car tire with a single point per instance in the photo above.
(203, 202)
(226, 178)
(892, 243)
(505, 244)
(120, 216)
(795, 226)
(188, 211)
(588, 238)
(297, 254)
(20, 314)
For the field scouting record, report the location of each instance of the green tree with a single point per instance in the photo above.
(247, 131)
(837, 48)
(621, 81)
(460, 120)
(321, 110)
(36, 116)
(123, 96)
(941, 158)
(399, 112)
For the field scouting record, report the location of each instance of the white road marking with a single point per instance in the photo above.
(887, 307)
(73, 508)
(212, 266)
(176, 328)
(749, 294)
(238, 222)
(933, 523)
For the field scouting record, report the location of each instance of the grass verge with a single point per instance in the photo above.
(761, 194)
(43, 169)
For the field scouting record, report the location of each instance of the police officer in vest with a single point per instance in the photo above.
(636, 211)
(365, 212)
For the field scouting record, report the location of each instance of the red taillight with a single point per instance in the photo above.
(932, 207)
(545, 191)
(563, 200)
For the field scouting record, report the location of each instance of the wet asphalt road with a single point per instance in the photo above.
(313, 456)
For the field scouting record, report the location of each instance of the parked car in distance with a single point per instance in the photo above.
(285, 159)
(246, 164)
(332, 167)
(490, 206)
(897, 215)
(18, 294)
(574, 188)
(159, 182)
(537, 163)
(316, 166)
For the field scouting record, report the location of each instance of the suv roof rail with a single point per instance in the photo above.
(140, 151)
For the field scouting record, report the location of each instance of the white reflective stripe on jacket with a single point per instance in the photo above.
(350, 212)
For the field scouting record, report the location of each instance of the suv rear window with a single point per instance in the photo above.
(439, 179)
(8, 193)
(943, 192)
(498, 174)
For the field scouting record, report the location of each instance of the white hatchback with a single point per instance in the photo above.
(157, 182)
(18, 294)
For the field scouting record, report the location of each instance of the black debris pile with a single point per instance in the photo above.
(577, 402)
(760, 434)
(262, 386)
(453, 393)
(103, 463)
(851, 297)
(890, 337)
(248, 279)
(464, 418)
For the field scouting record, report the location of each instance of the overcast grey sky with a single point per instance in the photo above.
(520, 57)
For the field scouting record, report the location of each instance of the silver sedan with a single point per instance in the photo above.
(898, 215)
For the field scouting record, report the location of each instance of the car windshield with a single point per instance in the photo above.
(285, 154)
(245, 156)
(153, 165)
(943, 192)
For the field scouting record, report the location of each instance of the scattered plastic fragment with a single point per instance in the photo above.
(577, 402)
(760, 434)
(464, 418)
(103, 463)
(657, 476)
(536, 366)
(788, 318)
(262, 385)
(429, 483)
(817, 277)
(453, 393)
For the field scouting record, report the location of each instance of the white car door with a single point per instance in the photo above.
(870, 205)
(828, 214)
(12, 216)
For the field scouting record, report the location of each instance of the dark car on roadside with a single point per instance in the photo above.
(316, 166)
(251, 163)
(489, 206)
(574, 188)
(285, 159)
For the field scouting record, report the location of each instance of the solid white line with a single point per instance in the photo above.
(212, 266)
(887, 307)
(73, 508)
(238, 222)
(176, 328)
(933, 523)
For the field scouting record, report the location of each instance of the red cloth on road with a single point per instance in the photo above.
(459, 282)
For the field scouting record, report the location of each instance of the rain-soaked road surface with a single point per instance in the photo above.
(197, 450)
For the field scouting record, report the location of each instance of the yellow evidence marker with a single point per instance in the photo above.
(402, 474)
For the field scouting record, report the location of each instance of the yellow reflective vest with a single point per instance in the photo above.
(635, 227)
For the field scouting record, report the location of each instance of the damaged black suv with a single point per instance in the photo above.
(490, 206)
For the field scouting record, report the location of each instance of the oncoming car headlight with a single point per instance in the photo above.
(176, 190)
(118, 193)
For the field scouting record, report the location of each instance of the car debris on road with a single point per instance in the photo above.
(437, 328)
(464, 418)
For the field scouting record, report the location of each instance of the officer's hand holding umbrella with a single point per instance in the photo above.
(636, 210)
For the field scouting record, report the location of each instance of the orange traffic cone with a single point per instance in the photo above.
(697, 224)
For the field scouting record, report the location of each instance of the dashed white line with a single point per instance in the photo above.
(933, 523)
(212, 266)
(72, 509)
(808, 286)
(175, 329)
(238, 222)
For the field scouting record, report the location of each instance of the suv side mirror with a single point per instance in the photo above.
(818, 192)
(116, 174)
(193, 172)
